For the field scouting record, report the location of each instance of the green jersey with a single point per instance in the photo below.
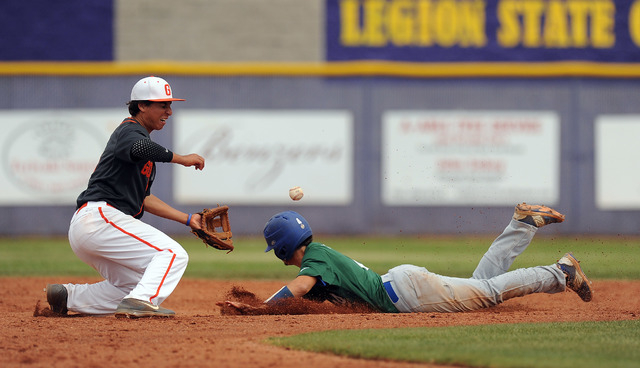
(343, 280)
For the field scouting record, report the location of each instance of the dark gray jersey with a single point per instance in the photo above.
(120, 179)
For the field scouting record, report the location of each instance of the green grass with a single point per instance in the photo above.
(601, 257)
(579, 345)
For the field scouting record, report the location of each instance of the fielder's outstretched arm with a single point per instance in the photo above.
(158, 207)
(191, 159)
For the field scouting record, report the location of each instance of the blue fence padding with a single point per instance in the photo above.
(45, 30)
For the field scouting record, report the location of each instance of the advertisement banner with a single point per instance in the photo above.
(483, 31)
(254, 157)
(48, 155)
(461, 158)
(617, 183)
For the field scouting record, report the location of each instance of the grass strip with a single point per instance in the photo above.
(601, 257)
(579, 345)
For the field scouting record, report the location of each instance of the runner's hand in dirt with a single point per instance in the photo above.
(241, 307)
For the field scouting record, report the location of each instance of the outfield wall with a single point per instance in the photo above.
(426, 116)
(361, 207)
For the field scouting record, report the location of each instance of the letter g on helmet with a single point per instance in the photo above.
(284, 232)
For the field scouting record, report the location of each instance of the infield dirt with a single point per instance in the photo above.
(201, 336)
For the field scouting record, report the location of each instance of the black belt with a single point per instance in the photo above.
(85, 205)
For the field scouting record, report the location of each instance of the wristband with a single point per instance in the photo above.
(283, 293)
(189, 219)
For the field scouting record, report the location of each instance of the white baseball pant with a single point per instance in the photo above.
(137, 260)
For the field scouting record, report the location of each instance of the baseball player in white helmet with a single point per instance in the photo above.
(140, 264)
(326, 274)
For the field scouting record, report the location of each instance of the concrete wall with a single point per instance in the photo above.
(221, 30)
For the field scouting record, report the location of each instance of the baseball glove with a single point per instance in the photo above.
(215, 230)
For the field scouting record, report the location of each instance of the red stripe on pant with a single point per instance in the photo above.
(143, 242)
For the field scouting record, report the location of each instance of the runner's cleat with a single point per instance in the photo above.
(537, 216)
(576, 279)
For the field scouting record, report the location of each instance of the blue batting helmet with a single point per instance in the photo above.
(284, 232)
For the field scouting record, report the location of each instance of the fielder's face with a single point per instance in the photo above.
(154, 116)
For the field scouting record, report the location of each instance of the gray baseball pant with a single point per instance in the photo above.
(419, 290)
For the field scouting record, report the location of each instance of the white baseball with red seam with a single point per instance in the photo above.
(296, 193)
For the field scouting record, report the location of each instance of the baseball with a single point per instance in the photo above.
(296, 193)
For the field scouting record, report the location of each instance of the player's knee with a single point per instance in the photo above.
(179, 257)
(182, 257)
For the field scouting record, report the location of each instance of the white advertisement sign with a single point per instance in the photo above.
(48, 155)
(254, 157)
(617, 168)
(470, 158)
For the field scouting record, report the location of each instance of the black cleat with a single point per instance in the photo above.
(57, 298)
